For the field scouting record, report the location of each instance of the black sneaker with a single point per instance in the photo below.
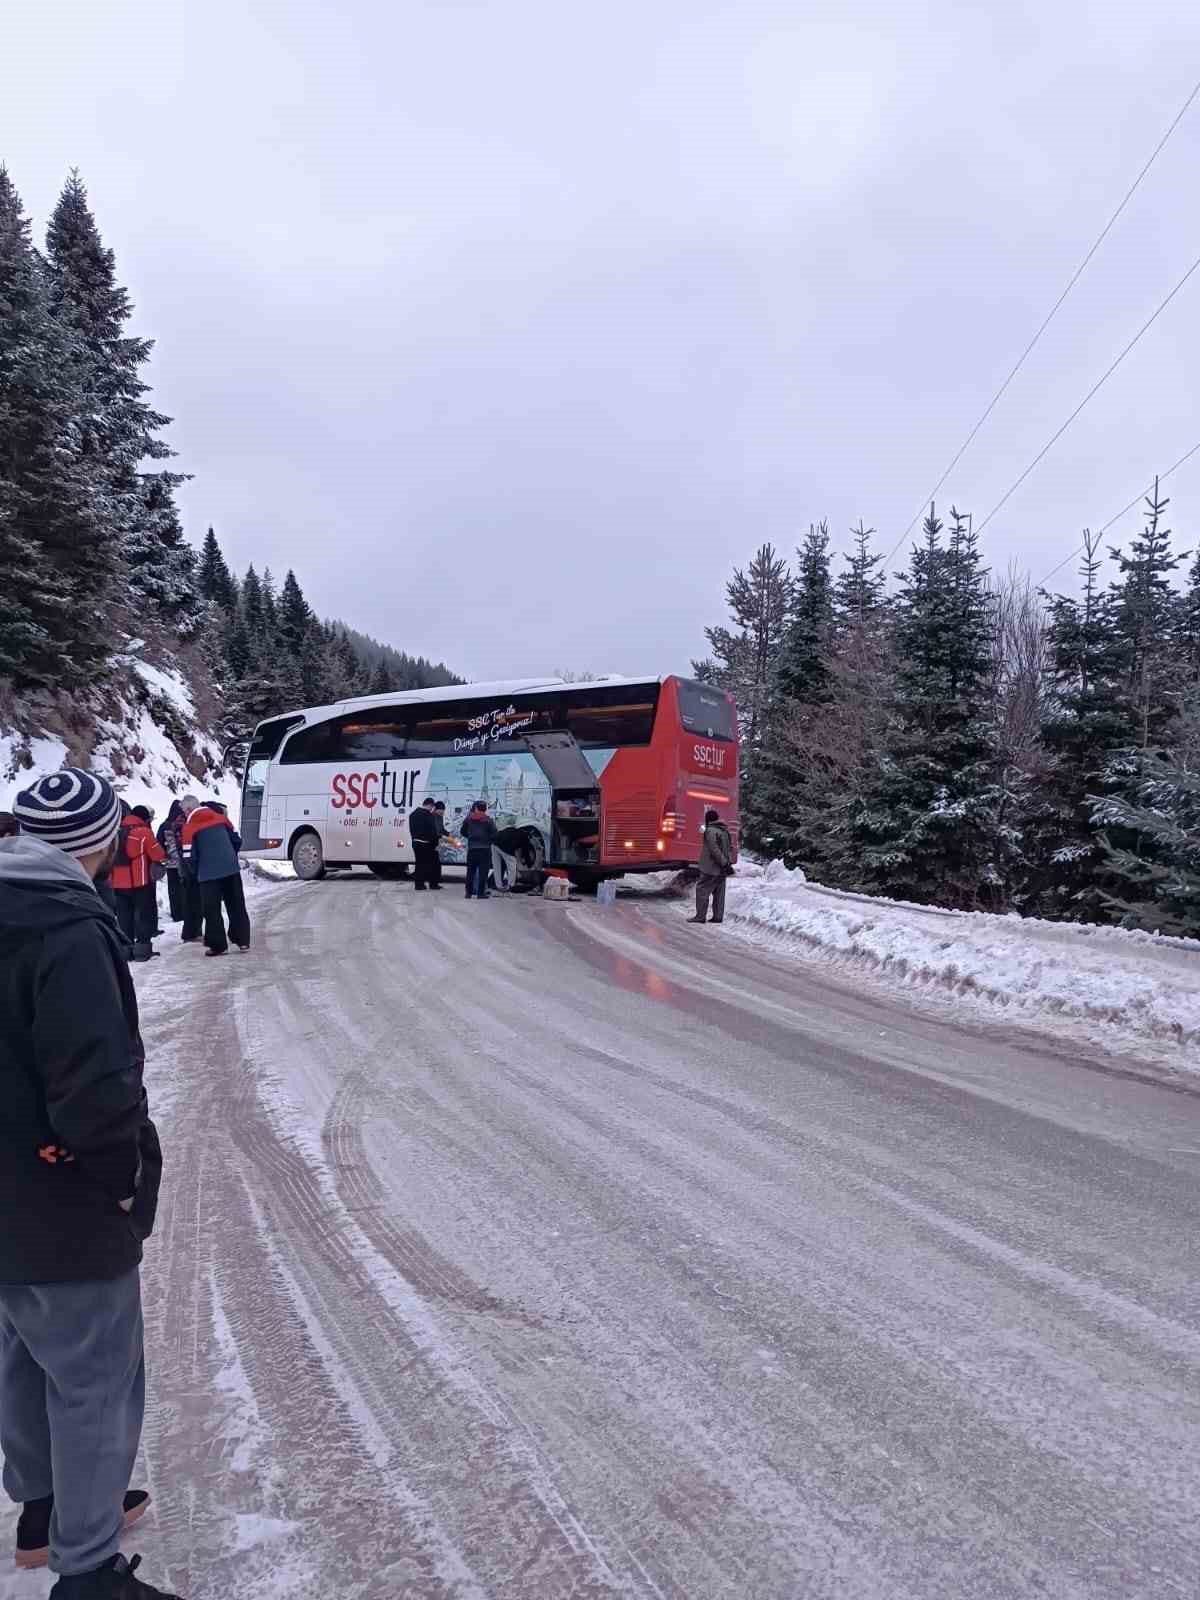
(115, 1580)
(33, 1527)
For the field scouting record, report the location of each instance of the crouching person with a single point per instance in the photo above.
(79, 1173)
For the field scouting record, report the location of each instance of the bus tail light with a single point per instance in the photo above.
(269, 844)
(670, 817)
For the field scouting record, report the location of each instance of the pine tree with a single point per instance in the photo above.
(1189, 623)
(802, 674)
(858, 592)
(923, 823)
(214, 579)
(269, 687)
(252, 603)
(1090, 716)
(315, 688)
(777, 815)
(270, 608)
(1146, 613)
(382, 681)
(58, 557)
(295, 615)
(346, 673)
(120, 430)
(745, 656)
(239, 653)
(1158, 872)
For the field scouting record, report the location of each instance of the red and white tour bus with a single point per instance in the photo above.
(597, 779)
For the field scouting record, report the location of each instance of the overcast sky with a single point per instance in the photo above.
(514, 325)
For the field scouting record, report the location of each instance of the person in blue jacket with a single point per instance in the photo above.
(210, 854)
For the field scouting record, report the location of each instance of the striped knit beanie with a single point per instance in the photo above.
(77, 811)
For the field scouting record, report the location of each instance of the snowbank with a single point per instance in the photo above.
(1129, 988)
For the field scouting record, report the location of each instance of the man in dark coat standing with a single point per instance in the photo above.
(479, 832)
(168, 838)
(210, 854)
(189, 887)
(443, 834)
(423, 831)
(716, 863)
(79, 1172)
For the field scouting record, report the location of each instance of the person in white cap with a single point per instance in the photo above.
(80, 1165)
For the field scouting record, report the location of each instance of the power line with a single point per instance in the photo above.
(1049, 318)
(1096, 387)
(1162, 478)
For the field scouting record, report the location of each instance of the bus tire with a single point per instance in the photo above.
(308, 858)
(530, 852)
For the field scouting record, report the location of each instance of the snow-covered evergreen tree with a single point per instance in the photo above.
(1189, 623)
(924, 823)
(745, 656)
(252, 603)
(1090, 716)
(213, 578)
(59, 553)
(859, 590)
(1158, 871)
(315, 682)
(777, 814)
(295, 615)
(801, 673)
(119, 430)
(1146, 615)
(270, 609)
(381, 680)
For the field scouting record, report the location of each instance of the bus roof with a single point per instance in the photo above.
(503, 687)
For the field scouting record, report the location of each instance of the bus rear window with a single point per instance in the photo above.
(705, 710)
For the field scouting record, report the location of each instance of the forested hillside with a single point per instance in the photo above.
(120, 644)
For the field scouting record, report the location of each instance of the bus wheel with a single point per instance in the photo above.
(530, 851)
(308, 858)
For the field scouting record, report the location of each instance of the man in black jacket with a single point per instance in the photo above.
(423, 831)
(79, 1171)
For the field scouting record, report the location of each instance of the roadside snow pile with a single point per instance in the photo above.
(1130, 985)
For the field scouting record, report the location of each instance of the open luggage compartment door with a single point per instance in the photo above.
(561, 759)
(574, 800)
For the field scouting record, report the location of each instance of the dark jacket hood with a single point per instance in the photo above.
(42, 889)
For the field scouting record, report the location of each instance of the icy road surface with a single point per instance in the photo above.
(521, 1250)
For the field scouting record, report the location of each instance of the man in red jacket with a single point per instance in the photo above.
(210, 853)
(133, 883)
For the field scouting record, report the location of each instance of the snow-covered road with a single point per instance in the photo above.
(524, 1250)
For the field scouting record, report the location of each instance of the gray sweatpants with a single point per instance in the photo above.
(706, 885)
(72, 1394)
